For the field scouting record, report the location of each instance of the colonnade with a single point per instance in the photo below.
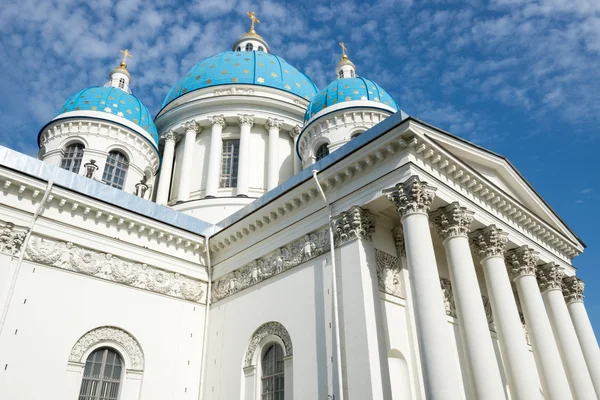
(564, 346)
(217, 124)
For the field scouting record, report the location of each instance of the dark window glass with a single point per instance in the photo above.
(322, 151)
(249, 47)
(229, 163)
(115, 170)
(101, 376)
(71, 161)
(272, 373)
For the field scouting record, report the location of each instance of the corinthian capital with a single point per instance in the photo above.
(274, 123)
(452, 220)
(355, 223)
(295, 132)
(168, 136)
(412, 196)
(521, 261)
(488, 242)
(192, 126)
(218, 120)
(573, 289)
(549, 277)
(246, 119)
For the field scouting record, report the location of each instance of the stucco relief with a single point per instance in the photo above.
(109, 334)
(356, 223)
(448, 297)
(68, 256)
(278, 261)
(268, 329)
(233, 90)
(388, 274)
(11, 238)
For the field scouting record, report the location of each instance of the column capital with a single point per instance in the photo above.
(192, 125)
(573, 289)
(412, 196)
(246, 119)
(549, 276)
(273, 123)
(295, 132)
(488, 242)
(521, 261)
(169, 136)
(218, 120)
(356, 223)
(399, 241)
(452, 220)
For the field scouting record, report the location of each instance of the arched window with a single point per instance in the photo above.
(322, 151)
(71, 160)
(102, 375)
(355, 135)
(272, 373)
(229, 163)
(260, 48)
(122, 83)
(341, 74)
(352, 74)
(115, 170)
(249, 47)
(239, 48)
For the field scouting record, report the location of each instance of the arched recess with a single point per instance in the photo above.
(115, 338)
(268, 333)
(399, 376)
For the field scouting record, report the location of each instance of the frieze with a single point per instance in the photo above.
(70, 257)
(233, 90)
(291, 255)
(272, 328)
(11, 238)
(388, 273)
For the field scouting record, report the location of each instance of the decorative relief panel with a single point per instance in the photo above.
(110, 334)
(388, 274)
(268, 329)
(233, 90)
(68, 256)
(487, 306)
(11, 238)
(448, 297)
(278, 261)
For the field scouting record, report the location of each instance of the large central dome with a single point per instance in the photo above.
(244, 67)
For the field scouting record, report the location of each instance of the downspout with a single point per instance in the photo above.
(206, 315)
(336, 317)
(24, 245)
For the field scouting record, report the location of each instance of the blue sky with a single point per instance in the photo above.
(520, 77)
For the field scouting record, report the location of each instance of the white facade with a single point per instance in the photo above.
(450, 278)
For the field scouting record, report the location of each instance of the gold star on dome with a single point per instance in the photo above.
(212, 66)
(273, 74)
(94, 108)
(129, 112)
(107, 110)
(297, 84)
(286, 71)
(355, 92)
(246, 71)
(208, 81)
(224, 72)
(260, 80)
(120, 114)
(234, 79)
(198, 77)
(261, 64)
(348, 98)
(364, 98)
(236, 64)
(288, 87)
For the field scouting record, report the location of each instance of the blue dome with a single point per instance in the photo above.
(349, 89)
(112, 100)
(247, 67)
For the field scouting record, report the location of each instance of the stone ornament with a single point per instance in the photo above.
(273, 123)
(218, 120)
(70, 257)
(11, 238)
(295, 132)
(399, 241)
(521, 261)
(573, 289)
(246, 119)
(233, 90)
(268, 329)
(192, 125)
(527, 338)
(487, 306)
(452, 220)
(291, 255)
(168, 136)
(412, 196)
(448, 297)
(549, 276)
(109, 334)
(388, 274)
(488, 242)
(90, 169)
(355, 223)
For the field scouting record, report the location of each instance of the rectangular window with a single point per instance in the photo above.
(229, 163)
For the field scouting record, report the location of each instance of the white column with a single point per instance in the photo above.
(297, 162)
(489, 244)
(452, 223)
(273, 125)
(573, 292)
(521, 264)
(246, 122)
(363, 340)
(550, 278)
(185, 172)
(166, 168)
(214, 157)
(440, 374)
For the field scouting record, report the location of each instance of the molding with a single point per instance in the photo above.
(271, 328)
(521, 262)
(356, 223)
(452, 220)
(70, 257)
(573, 289)
(109, 334)
(550, 277)
(282, 259)
(11, 238)
(488, 242)
(388, 274)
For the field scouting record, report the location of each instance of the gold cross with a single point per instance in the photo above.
(126, 54)
(344, 50)
(252, 16)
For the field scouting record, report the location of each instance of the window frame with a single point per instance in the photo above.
(249, 47)
(72, 159)
(278, 356)
(232, 174)
(101, 379)
(319, 147)
(110, 181)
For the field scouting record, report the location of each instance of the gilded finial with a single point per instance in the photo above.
(126, 54)
(344, 50)
(252, 16)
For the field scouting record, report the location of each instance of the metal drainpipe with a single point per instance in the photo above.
(13, 282)
(206, 316)
(336, 317)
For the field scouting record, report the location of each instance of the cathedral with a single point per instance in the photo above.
(264, 239)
